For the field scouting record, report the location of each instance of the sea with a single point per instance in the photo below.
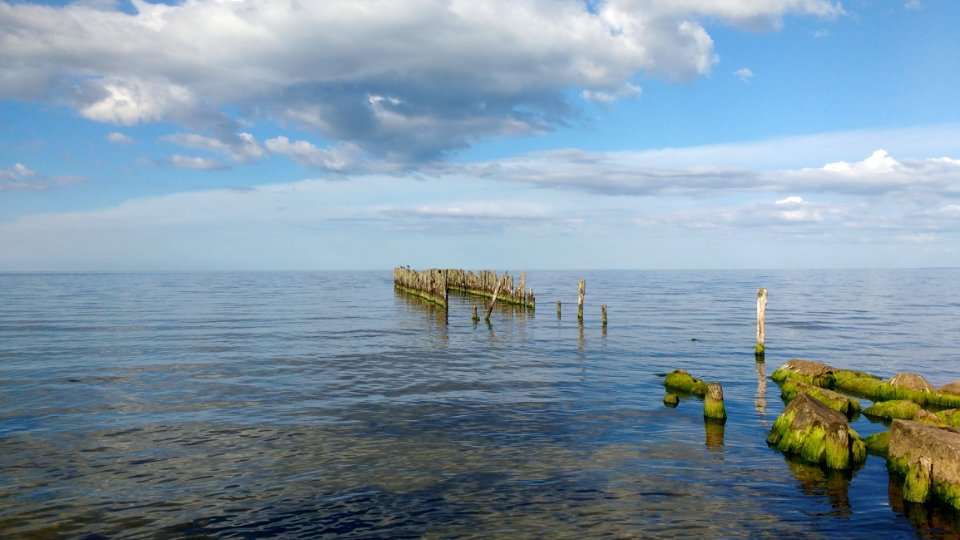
(330, 405)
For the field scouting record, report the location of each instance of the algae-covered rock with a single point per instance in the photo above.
(713, 402)
(899, 408)
(878, 443)
(929, 418)
(952, 389)
(914, 445)
(682, 381)
(808, 371)
(817, 434)
(911, 381)
(836, 401)
(950, 416)
(671, 400)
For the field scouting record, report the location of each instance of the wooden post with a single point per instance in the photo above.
(713, 402)
(603, 311)
(476, 317)
(582, 287)
(494, 301)
(761, 322)
(558, 309)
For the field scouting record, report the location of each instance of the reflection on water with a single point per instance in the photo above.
(760, 401)
(820, 481)
(714, 433)
(323, 404)
(932, 520)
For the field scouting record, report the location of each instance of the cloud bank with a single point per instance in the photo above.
(408, 80)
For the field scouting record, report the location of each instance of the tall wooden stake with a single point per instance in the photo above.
(582, 287)
(494, 301)
(475, 316)
(761, 322)
(558, 309)
(603, 311)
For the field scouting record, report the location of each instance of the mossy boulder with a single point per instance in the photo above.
(808, 371)
(713, 407)
(671, 400)
(815, 433)
(928, 458)
(899, 408)
(911, 381)
(835, 400)
(683, 382)
(878, 443)
(929, 418)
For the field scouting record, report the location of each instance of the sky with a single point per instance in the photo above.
(537, 134)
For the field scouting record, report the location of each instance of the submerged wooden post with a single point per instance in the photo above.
(558, 309)
(494, 301)
(761, 322)
(713, 402)
(603, 312)
(476, 317)
(582, 290)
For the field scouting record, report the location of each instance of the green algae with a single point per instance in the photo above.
(900, 408)
(840, 403)
(784, 373)
(942, 490)
(917, 482)
(713, 407)
(683, 382)
(878, 444)
(950, 416)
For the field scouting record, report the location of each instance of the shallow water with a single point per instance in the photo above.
(326, 404)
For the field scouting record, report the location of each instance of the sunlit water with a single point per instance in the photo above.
(327, 404)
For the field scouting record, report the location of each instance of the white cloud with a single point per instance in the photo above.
(626, 91)
(744, 74)
(193, 162)
(240, 147)
(338, 158)
(449, 71)
(913, 5)
(119, 138)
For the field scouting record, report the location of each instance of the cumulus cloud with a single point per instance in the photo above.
(241, 148)
(744, 74)
(119, 138)
(408, 80)
(196, 162)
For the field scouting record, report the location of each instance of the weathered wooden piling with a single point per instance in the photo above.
(713, 403)
(603, 313)
(582, 285)
(431, 285)
(496, 290)
(558, 309)
(761, 322)
(476, 317)
(484, 282)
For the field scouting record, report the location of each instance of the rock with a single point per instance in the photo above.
(671, 400)
(953, 388)
(835, 400)
(911, 381)
(898, 408)
(685, 383)
(817, 434)
(808, 371)
(912, 446)
(878, 443)
(713, 402)
(929, 418)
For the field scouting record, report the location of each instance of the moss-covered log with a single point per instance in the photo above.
(683, 382)
(928, 458)
(836, 401)
(898, 408)
(815, 433)
(713, 407)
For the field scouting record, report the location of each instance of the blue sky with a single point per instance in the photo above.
(260, 135)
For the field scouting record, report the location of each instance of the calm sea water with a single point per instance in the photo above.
(327, 404)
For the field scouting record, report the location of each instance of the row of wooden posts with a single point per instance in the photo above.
(434, 285)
